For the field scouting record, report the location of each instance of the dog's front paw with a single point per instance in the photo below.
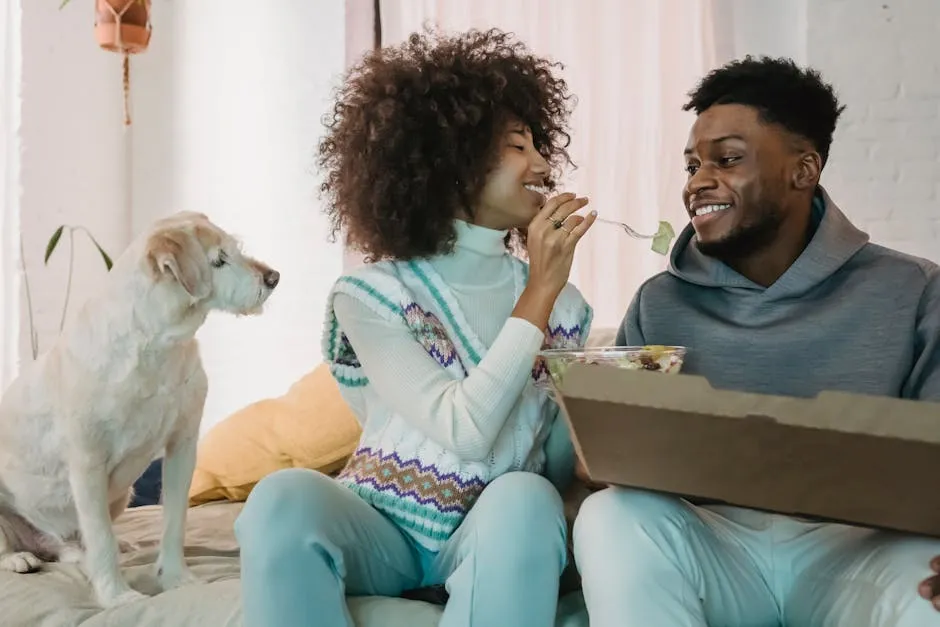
(22, 562)
(176, 577)
(122, 598)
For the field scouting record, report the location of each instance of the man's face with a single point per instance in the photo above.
(740, 171)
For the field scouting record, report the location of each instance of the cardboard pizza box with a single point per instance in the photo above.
(864, 460)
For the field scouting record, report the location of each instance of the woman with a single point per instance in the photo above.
(435, 156)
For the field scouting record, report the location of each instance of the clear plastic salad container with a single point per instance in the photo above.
(665, 359)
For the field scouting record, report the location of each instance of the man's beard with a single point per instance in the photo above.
(748, 238)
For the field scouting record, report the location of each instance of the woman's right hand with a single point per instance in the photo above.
(551, 239)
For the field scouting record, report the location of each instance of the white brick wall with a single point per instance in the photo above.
(883, 57)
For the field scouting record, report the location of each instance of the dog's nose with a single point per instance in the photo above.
(271, 277)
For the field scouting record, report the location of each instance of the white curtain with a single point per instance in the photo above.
(630, 63)
(10, 62)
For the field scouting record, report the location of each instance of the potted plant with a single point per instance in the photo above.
(50, 248)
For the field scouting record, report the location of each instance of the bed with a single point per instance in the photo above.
(59, 595)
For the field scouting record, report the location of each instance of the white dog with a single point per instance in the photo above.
(123, 384)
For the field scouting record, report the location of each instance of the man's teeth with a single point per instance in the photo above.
(535, 188)
(701, 211)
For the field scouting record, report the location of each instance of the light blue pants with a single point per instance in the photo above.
(307, 541)
(647, 559)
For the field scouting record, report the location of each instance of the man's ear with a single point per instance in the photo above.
(807, 171)
(178, 253)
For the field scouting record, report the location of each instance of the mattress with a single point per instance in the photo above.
(59, 595)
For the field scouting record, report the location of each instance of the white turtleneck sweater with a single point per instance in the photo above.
(463, 416)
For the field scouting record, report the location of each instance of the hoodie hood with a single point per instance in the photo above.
(834, 242)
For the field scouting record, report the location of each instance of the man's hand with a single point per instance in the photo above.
(930, 588)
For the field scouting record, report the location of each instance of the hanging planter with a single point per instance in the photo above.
(123, 25)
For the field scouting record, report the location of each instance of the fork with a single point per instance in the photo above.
(627, 229)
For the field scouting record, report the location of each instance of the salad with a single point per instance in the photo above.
(663, 237)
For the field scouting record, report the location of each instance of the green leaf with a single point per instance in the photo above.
(107, 260)
(666, 229)
(62, 6)
(53, 242)
(663, 238)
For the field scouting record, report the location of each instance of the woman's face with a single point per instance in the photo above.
(514, 190)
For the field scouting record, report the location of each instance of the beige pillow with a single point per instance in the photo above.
(602, 336)
(309, 427)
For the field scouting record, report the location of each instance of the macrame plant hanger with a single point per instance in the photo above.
(123, 26)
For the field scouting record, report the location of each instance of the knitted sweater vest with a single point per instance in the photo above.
(424, 488)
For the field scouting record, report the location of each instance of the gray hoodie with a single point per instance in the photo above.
(847, 315)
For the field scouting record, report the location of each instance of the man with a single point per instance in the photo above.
(775, 291)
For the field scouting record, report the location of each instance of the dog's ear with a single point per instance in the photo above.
(179, 253)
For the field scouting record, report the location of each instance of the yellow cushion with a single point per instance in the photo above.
(311, 426)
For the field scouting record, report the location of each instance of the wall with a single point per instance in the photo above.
(227, 129)
(883, 57)
(228, 106)
(770, 27)
(71, 149)
(10, 72)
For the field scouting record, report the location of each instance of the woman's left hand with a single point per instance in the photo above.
(930, 587)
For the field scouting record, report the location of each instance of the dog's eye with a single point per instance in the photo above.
(219, 261)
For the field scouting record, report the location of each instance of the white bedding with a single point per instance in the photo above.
(59, 595)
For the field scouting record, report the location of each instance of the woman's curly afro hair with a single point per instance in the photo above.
(413, 132)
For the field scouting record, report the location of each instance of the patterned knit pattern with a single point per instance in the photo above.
(432, 335)
(345, 355)
(561, 337)
(419, 498)
(408, 478)
(422, 487)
